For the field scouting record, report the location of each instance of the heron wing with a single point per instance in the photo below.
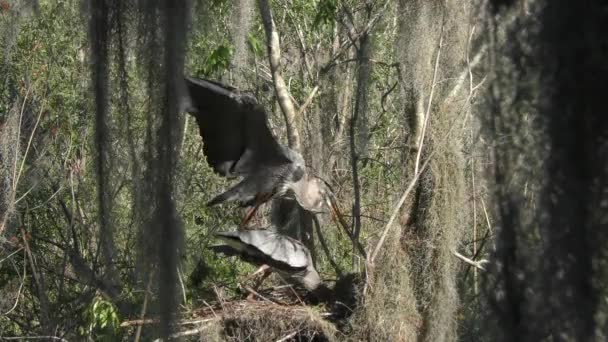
(279, 248)
(236, 136)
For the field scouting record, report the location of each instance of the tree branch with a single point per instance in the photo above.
(274, 59)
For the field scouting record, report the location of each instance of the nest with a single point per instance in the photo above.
(276, 314)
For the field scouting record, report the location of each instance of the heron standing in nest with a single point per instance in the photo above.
(273, 251)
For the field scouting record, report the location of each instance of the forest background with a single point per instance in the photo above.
(465, 141)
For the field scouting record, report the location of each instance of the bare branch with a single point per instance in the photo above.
(274, 59)
(20, 286)
(388, 226)
(308, 100)
(16, 338)
(477, 264)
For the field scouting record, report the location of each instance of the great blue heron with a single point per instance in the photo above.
(239, 143)
(267, 248)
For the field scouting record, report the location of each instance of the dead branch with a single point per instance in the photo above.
(16, 338)
(477, 264)
(287, 337)
(427, 114)
(274, 59)
(417, 170)
(20, 286)
(148, 321)
(388, 226)
(10, 255)
(144, 305)
(308, 100)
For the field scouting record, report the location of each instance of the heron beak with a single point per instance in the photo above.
(339, 219)
(336, 215)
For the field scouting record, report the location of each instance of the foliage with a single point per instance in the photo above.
(103, 321)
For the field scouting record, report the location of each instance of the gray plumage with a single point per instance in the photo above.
(239, 143)
(287, 256)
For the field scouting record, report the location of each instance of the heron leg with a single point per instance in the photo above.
(260, 198)
(249, 214)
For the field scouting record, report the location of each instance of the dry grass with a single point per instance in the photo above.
(388, 310)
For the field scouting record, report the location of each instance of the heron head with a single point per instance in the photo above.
(317, 196)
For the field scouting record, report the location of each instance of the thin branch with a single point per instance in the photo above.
(181, 282)
(485, 213)
(20, 286)
(477, 264)
(463, 76)
(147, 321)
(287, 337)
(19, 136)
(331, 260)
(428, 107)
(17, 338)
(417, 169)
(144, 306)
(10, 255)
(188, 332)
(396, 212)
(308, 100)
(27, 149)
(347, 45)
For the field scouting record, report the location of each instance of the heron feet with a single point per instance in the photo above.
(257, 202)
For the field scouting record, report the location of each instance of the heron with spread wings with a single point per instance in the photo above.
(238, 143)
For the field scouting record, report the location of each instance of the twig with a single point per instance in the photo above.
(254, 292)
(10, 255)
(144, 306)
(16, 338)
(40, 285)
(428, 107)
(345, 46)
(395, 212)
(477, 264)
(331, 260)
(287, 337)
(210, 308)
(485, 213)
(27, 149)
(463, 76)
(20, 286)
(19, 136)
(140, 322)
(308, 100)
(181, 282)
(188, 332)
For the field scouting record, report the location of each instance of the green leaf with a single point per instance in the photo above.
(326, 13)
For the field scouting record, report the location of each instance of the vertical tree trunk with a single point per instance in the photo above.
(359, 130)
(558, 75)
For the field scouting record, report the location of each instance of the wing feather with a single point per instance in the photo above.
(279, 247)
(237, 139)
